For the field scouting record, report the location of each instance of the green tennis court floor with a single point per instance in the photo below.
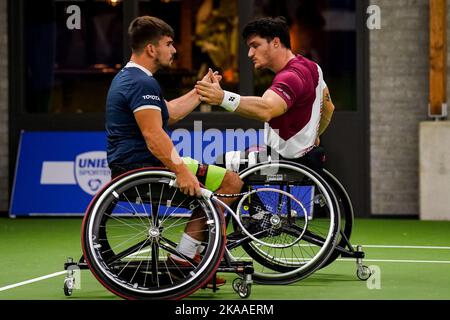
(412, 259)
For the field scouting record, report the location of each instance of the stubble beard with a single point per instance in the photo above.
(166, 65)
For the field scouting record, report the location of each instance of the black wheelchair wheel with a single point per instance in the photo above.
(347, 215)
(296, 262)
(130, 234)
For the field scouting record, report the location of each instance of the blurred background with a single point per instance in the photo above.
(54, 77)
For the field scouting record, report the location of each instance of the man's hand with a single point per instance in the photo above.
(210, 91)
(188, 183)
(210, 76)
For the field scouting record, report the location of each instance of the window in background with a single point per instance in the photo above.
(206, 35)
(325, 32)
(70, 70)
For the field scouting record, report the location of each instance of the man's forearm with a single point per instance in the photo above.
(324, 122)
(327, 111)
(254, 108)
(162, 147)
(182, 106)
(264, 108)
(325, 118)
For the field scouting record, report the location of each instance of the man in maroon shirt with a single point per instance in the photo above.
(297, 107)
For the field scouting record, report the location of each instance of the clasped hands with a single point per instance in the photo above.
(209, 88)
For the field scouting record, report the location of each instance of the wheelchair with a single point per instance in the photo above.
(285, 225)
(330, 215)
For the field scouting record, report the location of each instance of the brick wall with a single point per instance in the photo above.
(399, 102)
(4, 193)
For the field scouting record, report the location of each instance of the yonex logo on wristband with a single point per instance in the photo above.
(230, 101)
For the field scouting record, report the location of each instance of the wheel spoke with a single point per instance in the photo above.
(131, 237)
(137, 247)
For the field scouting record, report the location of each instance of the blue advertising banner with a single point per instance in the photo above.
(58, 173)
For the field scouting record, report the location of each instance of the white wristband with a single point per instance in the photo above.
(230, 101)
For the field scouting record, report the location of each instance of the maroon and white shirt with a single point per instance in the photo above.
(300, 83)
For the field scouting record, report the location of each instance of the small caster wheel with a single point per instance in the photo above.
(363, 273)
(68, 287)
(236, 284)
(245, 290)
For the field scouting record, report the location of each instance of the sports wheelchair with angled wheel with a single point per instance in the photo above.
(325, 202)
(131, 230)
(286, 225)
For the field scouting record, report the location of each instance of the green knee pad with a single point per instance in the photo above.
(214, 176)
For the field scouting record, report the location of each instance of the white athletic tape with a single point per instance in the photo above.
(253, 158)
(233, 160)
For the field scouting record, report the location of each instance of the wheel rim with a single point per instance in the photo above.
(138, 243)
(280, 264)
(270, 220)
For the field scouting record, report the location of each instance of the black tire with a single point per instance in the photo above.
(129, 253)
(236, 284)
(319, 240)
(363, 273)
(346, 212)
(245, 290)
(67, 291)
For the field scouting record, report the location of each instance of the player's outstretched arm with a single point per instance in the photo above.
(264, 108)
(184, 105)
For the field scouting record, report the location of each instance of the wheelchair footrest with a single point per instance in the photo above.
(354, 254)
(240, 267)
(82, 265)
(245, 270)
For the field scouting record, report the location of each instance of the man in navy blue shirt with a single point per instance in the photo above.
(137, 116)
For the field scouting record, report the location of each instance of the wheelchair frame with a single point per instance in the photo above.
(245, 269)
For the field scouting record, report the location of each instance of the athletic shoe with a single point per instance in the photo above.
(181, 267)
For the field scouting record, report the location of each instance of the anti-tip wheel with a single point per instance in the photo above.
(68, 287)
(363, 273)
(237, 284)
(245, 290)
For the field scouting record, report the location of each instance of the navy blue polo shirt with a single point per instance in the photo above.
(132, 89)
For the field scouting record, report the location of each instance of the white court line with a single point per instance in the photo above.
(386, 246)
(403, 247)
(32, 280)
(400, 261)
(347, 260)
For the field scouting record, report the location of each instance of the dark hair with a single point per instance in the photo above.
(269, 28)
(146, 29)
